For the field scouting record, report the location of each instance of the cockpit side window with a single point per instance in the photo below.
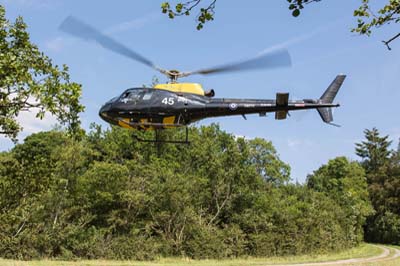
(147, 95)
(134, 95)
(131, 95)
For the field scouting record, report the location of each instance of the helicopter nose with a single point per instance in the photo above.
(103, 112)
(104, 109)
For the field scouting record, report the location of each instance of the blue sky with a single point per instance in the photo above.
(319, 41)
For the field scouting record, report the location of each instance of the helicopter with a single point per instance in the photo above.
(174, 105)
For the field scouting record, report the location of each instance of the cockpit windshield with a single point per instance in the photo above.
(132, 95)
(135, 95)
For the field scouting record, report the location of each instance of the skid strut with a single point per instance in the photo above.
(157, 127)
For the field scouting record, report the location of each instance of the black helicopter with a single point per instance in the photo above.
(173, 104)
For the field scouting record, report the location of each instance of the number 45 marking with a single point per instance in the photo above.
(169, 101)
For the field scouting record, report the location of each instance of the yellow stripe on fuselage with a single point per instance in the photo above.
(194, 88)
(145, 120)
(169, 120)
(124, 124)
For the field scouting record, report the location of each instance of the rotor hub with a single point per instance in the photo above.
(173, 75)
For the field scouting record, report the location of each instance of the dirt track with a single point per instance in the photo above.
(384, 256)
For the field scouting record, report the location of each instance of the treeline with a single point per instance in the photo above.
(109, 196)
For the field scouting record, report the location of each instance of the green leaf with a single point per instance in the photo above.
(179, 7)
(296, 13)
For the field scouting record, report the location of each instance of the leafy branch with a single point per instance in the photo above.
(30, 80)
(206, 13)
(368, 19)
(297, 5)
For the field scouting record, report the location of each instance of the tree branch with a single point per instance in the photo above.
(19, 230)
(390, 40)
(220, 207)
(7, 132)
(21, 105)
(188, 9)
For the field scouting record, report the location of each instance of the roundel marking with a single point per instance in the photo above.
(233, 106)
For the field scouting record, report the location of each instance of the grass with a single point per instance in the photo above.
(363, 251)
(390, 262)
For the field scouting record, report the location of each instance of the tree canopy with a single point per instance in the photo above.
(108, 196)
(346, 183)
(30, 81)
(369, 18)
(374, 151)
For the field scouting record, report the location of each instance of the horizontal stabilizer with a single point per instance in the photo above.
(326, 114)
(280, 115)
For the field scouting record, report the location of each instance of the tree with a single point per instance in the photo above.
(383, 174)
(263, 155)
(398, 148)
(345, 182)
(374, 150)
(27, 215)
(367, 17)
(30, 81)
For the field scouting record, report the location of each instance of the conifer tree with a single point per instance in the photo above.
(374, 151)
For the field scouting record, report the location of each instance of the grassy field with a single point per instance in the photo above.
(363, 251)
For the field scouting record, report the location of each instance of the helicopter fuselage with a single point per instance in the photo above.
(152, 108)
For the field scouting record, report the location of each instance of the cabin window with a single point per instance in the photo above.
(148, 95)
(131, 95)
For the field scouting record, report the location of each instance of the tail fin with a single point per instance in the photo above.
(328, 97)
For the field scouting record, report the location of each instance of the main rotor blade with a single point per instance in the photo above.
(267, 60)
(86, 32)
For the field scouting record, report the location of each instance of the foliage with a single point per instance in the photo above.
(367, 17)
(206, 13)
(346, 184)
(363, 252)
(30, 81)
(374, 150)
(398, 149)
(297, 5)
(108, 196)
(383, 174)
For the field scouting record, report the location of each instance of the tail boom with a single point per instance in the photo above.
(217, 107)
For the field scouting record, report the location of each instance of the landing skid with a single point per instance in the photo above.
(157, 129)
